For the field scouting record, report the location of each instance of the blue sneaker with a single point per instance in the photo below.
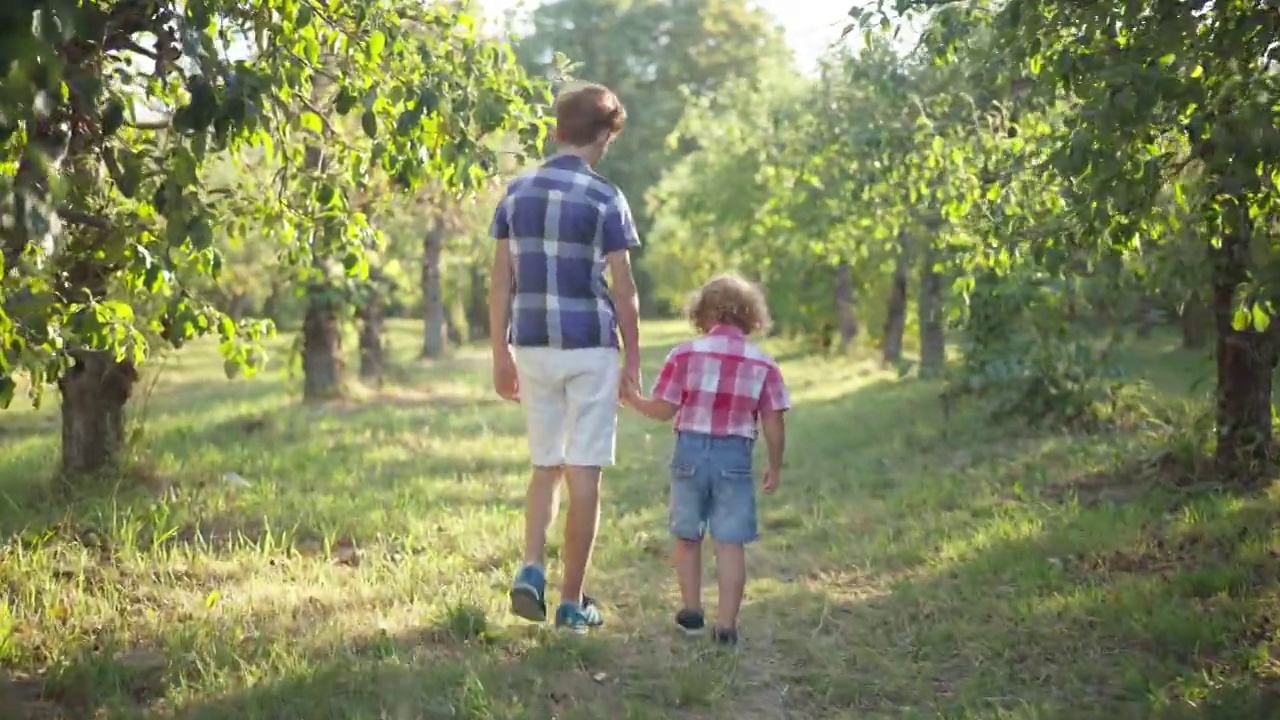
(528, 594)
(577, 618)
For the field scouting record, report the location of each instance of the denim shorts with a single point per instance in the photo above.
(712, 489)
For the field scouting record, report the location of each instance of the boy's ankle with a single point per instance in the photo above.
(725, 636)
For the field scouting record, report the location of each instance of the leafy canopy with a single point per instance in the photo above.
(109, 111)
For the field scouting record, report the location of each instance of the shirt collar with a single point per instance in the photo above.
(567, 160)
(726, 331)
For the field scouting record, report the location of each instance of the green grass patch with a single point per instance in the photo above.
(266, 560)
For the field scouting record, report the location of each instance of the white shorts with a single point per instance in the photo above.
(570, 400)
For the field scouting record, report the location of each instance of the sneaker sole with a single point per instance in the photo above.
(692, 632)
(525, 603)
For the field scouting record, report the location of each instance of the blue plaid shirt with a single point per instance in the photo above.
(561, 220)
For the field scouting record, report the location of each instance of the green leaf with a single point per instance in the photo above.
(345, 101)
(1167, 59)
(201, 233)
(408, 120)
(428, 100)
(1240, 320)
(312, 122)
(377, 43)
(1261, 318)
(304, 16)
(369, 123)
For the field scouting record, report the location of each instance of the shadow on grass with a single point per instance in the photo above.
(458, 666)
(980, 570)
(1171, 622)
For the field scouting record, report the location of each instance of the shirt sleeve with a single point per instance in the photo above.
(774, 396)
(500, 229)
(670, 384)
(619, 226)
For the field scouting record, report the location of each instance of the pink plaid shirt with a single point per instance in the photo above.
(721, 382)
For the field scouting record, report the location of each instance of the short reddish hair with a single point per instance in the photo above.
(584, 111)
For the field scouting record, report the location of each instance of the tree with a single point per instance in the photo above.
(657, 55)
(1145, 93)
(108, 115)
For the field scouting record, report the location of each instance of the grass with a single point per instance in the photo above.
(355, 565)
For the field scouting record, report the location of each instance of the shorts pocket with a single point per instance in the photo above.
(681, 471)
(738, 475)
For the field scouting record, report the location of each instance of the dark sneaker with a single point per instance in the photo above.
(578, 619)
(528, 594)
(691, 622)
(725, 637)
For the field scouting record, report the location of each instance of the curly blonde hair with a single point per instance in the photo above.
(729, 299)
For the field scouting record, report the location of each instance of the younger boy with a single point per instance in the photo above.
(716, 386)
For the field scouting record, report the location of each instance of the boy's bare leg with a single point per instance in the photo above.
(731, 576)
(580, 528)
(687, 559)
(542, 500)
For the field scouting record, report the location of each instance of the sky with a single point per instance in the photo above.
(810, 31)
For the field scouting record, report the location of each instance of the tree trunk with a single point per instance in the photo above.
(896, 318)
(322, 366)
(372, 354)
(845, 315)
(321, 346)
(94, 393)
(1246, 360)
(1195, 324)
(931, 315)
(1148, 316)
(271, 306)
(433, 327)
(478, 304)
(452, 331)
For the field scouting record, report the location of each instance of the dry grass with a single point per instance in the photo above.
(909, 569)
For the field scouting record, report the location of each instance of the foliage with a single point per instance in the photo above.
(110, 112)
(1028, 351)
(1134, 130)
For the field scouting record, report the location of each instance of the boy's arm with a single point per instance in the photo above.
(774, 429)
(654, 408)
(668, 391)
(774, 403)
(620, 238)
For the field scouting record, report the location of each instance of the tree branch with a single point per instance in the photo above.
(134, 47)
(78, 218)
(161, 123)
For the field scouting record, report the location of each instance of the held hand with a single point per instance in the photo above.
(630, 394)
(771, 478)
(629, 384)
(631, 374)
(505, 380)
